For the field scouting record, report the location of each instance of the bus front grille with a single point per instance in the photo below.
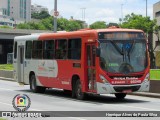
(132, 88)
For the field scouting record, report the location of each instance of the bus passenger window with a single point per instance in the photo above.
(15, 50)
(74, 49)
(37, 50)
(61, 49)
(48, 49)
(28, 51)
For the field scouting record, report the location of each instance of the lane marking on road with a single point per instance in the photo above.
(77, 118)
(80, 118)
(5, 103)
(6, 89)
(12, 106)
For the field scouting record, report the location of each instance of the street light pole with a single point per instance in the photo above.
(55, 17)
(146, 8)
(83, 14)
(122, 12)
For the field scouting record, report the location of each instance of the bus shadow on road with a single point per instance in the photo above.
(94, 99)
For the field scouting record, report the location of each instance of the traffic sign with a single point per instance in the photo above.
(56, 13)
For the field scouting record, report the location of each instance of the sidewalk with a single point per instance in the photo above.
(145, 94)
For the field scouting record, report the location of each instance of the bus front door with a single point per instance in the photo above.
(91, 69)
(20, 62)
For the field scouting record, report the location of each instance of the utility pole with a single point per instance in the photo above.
(146, 8)
(55, 18)
(83, 14)
(122, 12)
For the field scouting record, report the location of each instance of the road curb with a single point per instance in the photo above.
(7, 79)
(146, 94)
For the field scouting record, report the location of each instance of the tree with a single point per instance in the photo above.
(147, 25)
(31, 25)
(41, 15)
(47, 24)
(62, 24)
(138, 22)
(73, 26)
(98, 25)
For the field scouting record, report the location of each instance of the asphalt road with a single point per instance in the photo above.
(57, 100)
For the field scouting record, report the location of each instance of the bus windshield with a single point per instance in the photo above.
(123, 56)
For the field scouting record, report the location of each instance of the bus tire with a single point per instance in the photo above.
(78, 91)
(33, 85)
(120, 96)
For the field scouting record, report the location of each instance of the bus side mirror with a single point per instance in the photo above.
(98, 52)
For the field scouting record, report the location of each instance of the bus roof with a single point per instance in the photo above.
(27, 37)
(118, 30)
(82, 32)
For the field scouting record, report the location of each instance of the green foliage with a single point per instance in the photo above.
(72, 26)
(41, 15)
(31, 25)
(62, 24)
(6, 66)
(155, 74)
(134, 21)
(4, 26)
(3, 119)
(47, 24)
(98, 25)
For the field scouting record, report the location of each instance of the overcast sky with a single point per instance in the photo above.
(99, 10)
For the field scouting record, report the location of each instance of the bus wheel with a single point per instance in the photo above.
(120, 96)
(34, 87)
(78, 91)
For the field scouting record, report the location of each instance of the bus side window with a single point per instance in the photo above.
(48, 49)
(61, 49)
(37, 50)
(28, 52)
(74, 49)
(15, 50)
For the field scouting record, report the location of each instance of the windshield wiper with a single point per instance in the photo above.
(117, 48)
(123, 51)
(130, 50)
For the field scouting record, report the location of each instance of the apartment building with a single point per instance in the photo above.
(15, 10)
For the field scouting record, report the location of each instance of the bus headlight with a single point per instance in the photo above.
(147, 78)
(103, 79)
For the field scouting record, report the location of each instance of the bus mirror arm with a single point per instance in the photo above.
(98, 52)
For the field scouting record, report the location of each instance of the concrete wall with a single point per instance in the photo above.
(6, 74)
(155, 86)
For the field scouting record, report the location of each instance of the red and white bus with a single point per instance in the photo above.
(112, 60)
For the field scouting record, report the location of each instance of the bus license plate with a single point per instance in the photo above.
(127, 91)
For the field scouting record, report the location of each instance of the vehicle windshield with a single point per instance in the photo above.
(123, 56)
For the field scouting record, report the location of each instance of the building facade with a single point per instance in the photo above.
(4, 7)
(156, 35)
(18, 11)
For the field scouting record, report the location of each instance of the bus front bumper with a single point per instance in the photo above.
(105, 88)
